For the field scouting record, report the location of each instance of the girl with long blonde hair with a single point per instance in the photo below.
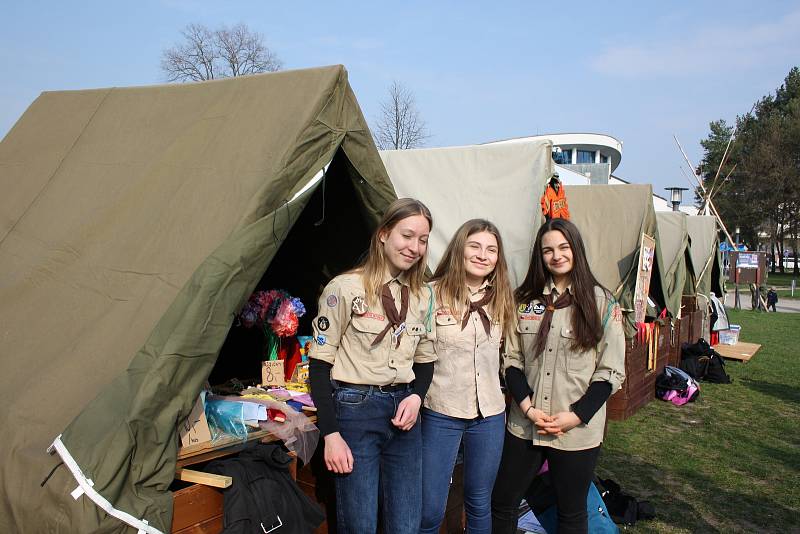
(371, 365)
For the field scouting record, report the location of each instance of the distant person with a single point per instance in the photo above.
(772, 299)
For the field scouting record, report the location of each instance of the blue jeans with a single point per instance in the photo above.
(483, 445)
(387, 466)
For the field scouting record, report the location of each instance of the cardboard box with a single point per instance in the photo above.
(194, 430)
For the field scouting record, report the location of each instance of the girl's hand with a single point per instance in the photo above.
(539, 418)
(338, 457)
(407, 412)
(561, 423)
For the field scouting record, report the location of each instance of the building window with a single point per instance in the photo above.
(585, 156)
(564, 157)
(603, 158)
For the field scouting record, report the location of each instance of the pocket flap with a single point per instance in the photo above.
(368, 324)
(415, 329)
(528, 326)
(566, 331)
(445, 320)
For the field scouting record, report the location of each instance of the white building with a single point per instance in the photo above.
(590, 158)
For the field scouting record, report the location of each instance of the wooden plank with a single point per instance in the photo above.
(207, 479)
(742, 351)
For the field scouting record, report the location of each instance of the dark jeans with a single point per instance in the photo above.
(571, 472)
(387, 464)
(483, 444)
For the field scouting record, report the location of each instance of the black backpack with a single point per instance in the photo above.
(623, 508)
(701, 362)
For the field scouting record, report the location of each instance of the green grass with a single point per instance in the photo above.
(778, 279)
(730, 462)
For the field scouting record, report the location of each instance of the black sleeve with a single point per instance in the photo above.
(423, 375)
(592, 400)
(319, 375)
(517, 384)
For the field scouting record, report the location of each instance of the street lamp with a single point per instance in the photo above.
(676, 195)
(737, 237)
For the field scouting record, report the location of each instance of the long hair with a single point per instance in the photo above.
(451, 274)
(585, 317)
(375, 265)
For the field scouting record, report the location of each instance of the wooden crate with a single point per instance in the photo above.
(664, 348)
(639, 386)
(197, 509)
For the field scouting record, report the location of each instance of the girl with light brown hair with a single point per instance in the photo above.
(465, 403)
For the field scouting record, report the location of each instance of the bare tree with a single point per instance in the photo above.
(206, 54)
(400, 125)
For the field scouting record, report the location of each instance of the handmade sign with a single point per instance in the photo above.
(646, 257)
(195, 429)
(272, 373)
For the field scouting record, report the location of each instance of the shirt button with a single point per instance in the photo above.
(550, 350)
(545, 398)
(548, 374)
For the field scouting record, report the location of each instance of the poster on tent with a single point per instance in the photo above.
(647, 254)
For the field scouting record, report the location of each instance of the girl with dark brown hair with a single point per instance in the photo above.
(562, 362)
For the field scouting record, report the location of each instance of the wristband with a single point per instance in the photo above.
(529, 409)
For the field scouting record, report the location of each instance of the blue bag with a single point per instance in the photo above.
(599, 519)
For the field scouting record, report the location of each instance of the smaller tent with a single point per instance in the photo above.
(502, 183)
(678, 272)
(706, 259)
(612, 220)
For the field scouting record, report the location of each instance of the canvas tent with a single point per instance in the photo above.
(612, 219)
(678, 272)
(134, 222)
(706, 262)
(501, 183)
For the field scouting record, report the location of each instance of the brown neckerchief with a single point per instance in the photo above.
(396, 319)
(564, 300)
(477, 306)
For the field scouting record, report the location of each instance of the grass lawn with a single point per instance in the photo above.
(730, 462)
(778, 279)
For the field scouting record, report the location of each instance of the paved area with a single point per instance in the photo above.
(784, 305)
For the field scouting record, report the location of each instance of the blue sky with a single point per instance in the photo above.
(640, 71)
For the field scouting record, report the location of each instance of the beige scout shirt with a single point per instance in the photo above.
(560, 376)
(344, 338)
(466, 377)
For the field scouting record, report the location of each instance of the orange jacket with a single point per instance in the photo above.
(554, 204)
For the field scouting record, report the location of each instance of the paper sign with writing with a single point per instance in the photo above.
(646, 259)
(195, 429)
(272, 373)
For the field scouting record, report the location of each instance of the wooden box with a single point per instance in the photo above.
(639, 386)
(197, 509)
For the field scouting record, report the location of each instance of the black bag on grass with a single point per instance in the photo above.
(701, 362)
(623, 508)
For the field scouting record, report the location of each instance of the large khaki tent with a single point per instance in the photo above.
(706, 262)
(501, 183)
(612, 220)
(678, 273)
(134, 223)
